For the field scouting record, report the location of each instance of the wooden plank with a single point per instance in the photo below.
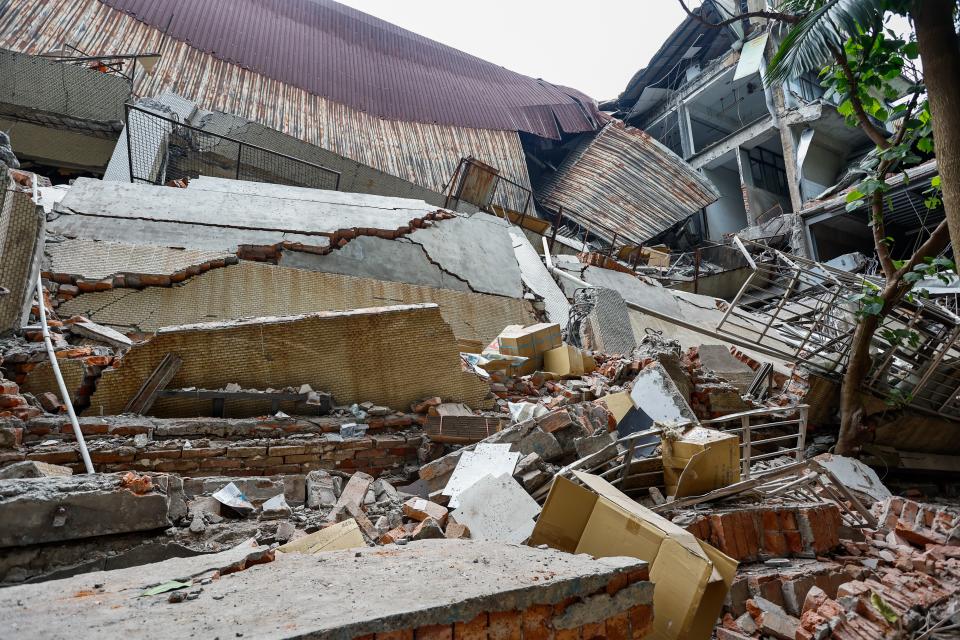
(144, 398)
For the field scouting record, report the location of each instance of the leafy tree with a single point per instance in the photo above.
(859, 60)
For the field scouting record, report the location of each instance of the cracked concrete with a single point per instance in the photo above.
(340, 594)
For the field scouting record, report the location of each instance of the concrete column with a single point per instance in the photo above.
(789, 145)
(746, 181)
(686, 131)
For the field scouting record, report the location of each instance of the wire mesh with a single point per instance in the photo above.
(165, 151)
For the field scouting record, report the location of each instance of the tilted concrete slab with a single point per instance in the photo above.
(341, 594)
(477, 249)
(539, 280)
(372, 257)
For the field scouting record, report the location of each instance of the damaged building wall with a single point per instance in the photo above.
(21, 248)
(258, 289)
(382, 355)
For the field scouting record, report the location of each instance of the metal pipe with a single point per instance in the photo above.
(56, 372)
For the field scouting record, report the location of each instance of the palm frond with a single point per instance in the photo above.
(807, 46)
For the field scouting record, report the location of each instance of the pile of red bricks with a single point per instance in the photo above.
(711, 396)
(14, 405)
(918, 523)
(758, 532)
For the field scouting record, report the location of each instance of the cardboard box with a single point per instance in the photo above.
(691, 577)
(564, 361)
(700, 461)
(658, 256)
(529, 342)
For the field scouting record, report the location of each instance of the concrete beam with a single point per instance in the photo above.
(53, 509)
(754, 133)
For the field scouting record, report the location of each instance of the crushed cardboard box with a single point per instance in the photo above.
(700, 461)
(527, 342)
(691, 577)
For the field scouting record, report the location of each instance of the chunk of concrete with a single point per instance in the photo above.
(420, 509)
(595, 443)
(53, 509)
(486, 459)
(275, 508)
(353, 495)
(33, 469)
(321, 490)
(497, 508)
(542, 443)
(717, 358)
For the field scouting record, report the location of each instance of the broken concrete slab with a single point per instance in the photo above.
(322, 490)
(477, 249)
(486, 459)
(52, 509)
(33, 469)
(657, 396)
(421, 585)
(539, 280)
(497, 508)
(717, 358)
(855, 476)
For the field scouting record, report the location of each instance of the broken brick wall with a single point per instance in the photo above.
(589, 616)
(258, 289)
(199, 447)
(391, 356)
(21, 245)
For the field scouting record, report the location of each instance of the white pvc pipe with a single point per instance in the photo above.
(56, 372)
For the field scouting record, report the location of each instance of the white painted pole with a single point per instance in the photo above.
(56, 372)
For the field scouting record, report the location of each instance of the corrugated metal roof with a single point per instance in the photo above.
(425, 154)
(355, 59)
(628, 182)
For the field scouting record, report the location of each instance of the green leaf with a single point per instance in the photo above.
(846, 108)
(925, 145)
(935, 182)
(172, 585)
(911, 50)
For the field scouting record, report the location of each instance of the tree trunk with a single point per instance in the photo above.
(940, 53)
(852, 428)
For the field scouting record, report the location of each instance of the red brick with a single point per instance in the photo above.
(10, 401)
(246, 452)
(535, 622)
(405, 634)
(9, 388)
(55, 457)
(618, 627)
(221, 463)
(306, 457)
(505, 625)
(475, 629)
(177, 465)
(203, 452)
(641, 620)
(435, 632)
(593, 631)
(110, 456)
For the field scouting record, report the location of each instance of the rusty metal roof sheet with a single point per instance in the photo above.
(355, 59)
(423, 153)
(627, 182)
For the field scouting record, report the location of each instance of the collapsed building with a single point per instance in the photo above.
(496, 365)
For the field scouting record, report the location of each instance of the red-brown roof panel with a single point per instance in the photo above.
(353, 58)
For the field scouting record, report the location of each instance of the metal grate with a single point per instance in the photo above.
(162, 150)
(807, 312)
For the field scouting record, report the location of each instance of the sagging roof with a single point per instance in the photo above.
(424, 153)
(355, 59)
(624, 181)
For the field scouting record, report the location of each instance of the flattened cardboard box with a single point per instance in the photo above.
(691, 578)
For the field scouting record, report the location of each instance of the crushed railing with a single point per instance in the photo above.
(162, 150)
(807, 312)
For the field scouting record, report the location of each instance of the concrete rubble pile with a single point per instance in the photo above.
(389, 387)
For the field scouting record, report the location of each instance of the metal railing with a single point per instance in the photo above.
(767, 431)
(162, 150)
(807, 312)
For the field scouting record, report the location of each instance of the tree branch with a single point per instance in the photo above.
(875, 135)
(936, 243)
(769, 15)
(880, 235)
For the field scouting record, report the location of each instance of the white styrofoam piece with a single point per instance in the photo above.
(492, 459)
(497, 508)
